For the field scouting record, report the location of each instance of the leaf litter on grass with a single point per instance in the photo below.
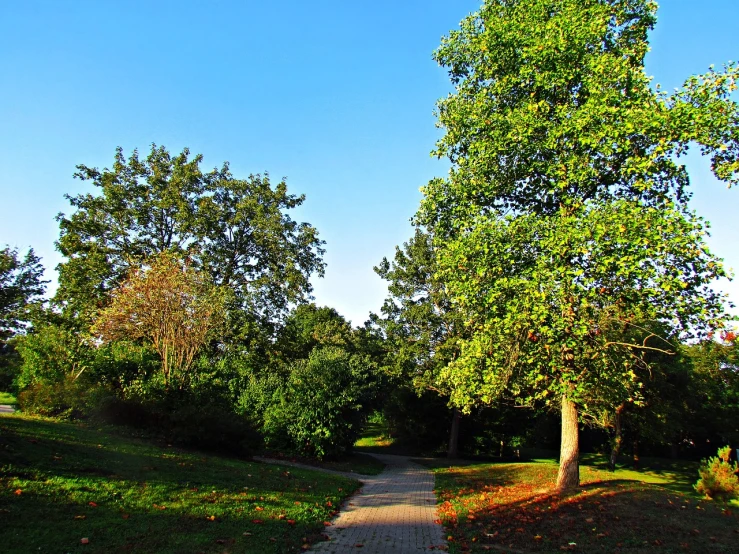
(122, 493)
(512, 507)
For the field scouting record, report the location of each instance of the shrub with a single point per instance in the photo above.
(718, 477)
(186, 420)
(68, 398)
(323, 404)
(51, 354)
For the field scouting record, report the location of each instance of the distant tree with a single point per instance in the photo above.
(169, 305)
(309, 326)
(237, 230)
(21, 289)
(563, 226)
(421, 326)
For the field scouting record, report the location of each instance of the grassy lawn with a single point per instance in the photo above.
(375, 438)
(510, 508)
(61, 483)
(7, 398)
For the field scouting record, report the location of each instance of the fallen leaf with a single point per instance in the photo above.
(257, 521)
(80, 517)
(84, 541)
(18, 492)
(291, 521)
(93, 504)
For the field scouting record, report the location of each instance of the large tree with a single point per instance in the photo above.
(420, 324)
(21, 287)
(563, 228)
(238, 230)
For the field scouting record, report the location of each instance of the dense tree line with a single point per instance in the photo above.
(557, 286)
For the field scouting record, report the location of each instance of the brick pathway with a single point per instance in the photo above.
(393, 512)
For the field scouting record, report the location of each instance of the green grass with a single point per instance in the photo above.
(376, 439)
(511, 507)
(7, 398)
(60, 483)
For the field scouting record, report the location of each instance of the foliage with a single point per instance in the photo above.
(51, 354)
(174, 308)
(21, 285)
(21, 289)
(418, 320)
(308, 327)
(67, 398)
(126, 494)
(509, 507)
(563, 229)
(718, 476)
(234, 229)
(195, 421)
(322, 404)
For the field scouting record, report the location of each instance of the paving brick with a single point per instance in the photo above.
(393, 512)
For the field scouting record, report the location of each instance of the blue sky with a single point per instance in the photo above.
(336, 96)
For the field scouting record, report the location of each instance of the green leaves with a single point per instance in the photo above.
(563, 234)
(237, 230)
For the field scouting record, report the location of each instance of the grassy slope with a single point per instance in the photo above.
(60, 483)
(510, 507)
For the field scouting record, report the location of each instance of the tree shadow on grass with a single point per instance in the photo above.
(59, 486)
(601, 516)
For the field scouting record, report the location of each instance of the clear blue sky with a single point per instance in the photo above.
(336, 96)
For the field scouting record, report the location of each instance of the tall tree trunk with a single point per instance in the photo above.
(569, 469)
(453, 451)
(636, 454)
(618, 439)
(675, 450)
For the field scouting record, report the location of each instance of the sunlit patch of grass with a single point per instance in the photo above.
(60, 483)
(513, 506)
(374, 435)
(7, 398)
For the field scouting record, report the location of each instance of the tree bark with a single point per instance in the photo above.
(618, 439)
(453, 451)
(569, 469)
(636, 454)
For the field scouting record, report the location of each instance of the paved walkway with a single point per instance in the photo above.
(394, 512)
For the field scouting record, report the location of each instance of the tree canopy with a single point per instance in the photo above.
(21, 288)
(235, 229)
(563, 230)
(169, 305)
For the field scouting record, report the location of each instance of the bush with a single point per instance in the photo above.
(321, 407)
(186, 420)
(718, 477)
(51, 355)
(67, 399)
